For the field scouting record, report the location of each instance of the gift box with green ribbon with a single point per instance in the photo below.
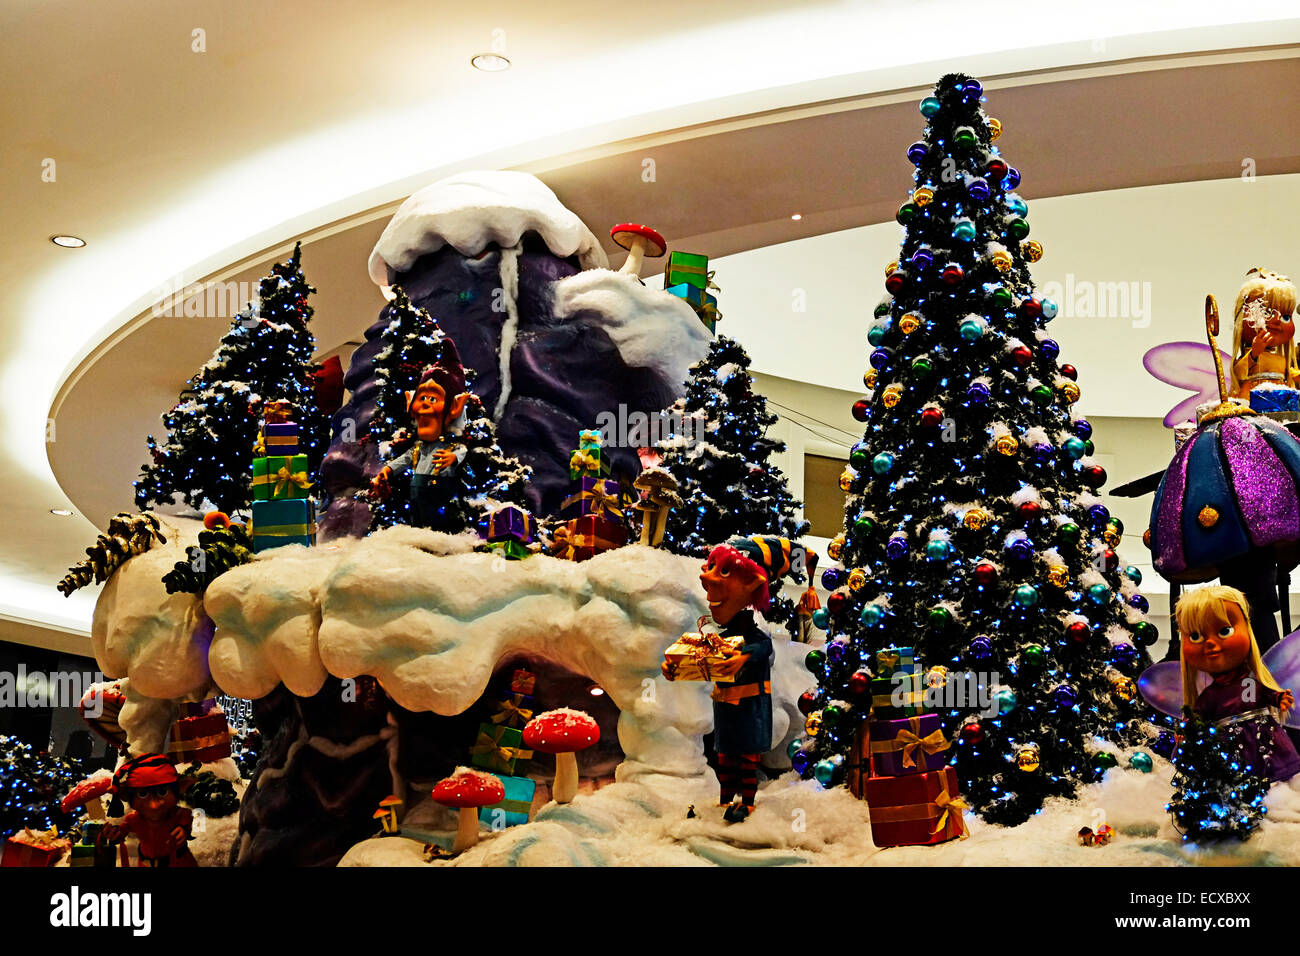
(516, 806)
(902, 695)
(918, 809)
(280, 477)
(687, 267)
(595, 496)
(909, 745)
(277, 523)
(498, 748)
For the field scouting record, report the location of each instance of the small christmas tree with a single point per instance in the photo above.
(266, 356)
(1216, 796)
(32, 783)
(721, 461)
(973, 532)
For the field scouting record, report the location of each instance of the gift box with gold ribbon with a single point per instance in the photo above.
(601, 497)
(688, 267)
(522, 681)
(517, 805)
(199, 739)
(498, 748)
(702, 656)
(508, 523)
(902, 695)
(891, 660)
(514, 710)
(277, 523)
(34, 848)
(918, 809)
(588, 462)
(280, 477)
(908, 745)
(589, 535)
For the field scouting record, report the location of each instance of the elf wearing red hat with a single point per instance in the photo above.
(150, 784)
(736, 579)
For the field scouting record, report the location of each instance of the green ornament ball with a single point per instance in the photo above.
(940, 617)
(815, 661)
(1034, 655)
(1145, 633)
(1103, 761)
(921, 366)
(1069, 533)
(1041, 394)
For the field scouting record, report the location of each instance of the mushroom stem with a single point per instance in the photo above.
(648, 521)
(467, 831)
(566, 778)
(661, 525)
(95, 809)
(632, 264)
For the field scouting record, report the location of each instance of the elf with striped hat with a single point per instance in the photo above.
(150, 784)
(736, 579)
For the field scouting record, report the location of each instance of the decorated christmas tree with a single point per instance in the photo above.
(32, 783)
(973, 530)
(719, 453)
(266, 356)
(1217, 795)
(412, 342)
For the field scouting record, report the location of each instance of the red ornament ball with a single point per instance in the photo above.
(1077, 631)
(860, 409)
(931, 418)
(895, 282)
(859, 683)
(1110, 559)
(1022, 355)
(985, 574)
(995, 169)
(1031, 307)
(1070, 372)
(1094, 476)
(1030, 510)
(952, 273)
(972, 733)
(807, 702)
(835, 603)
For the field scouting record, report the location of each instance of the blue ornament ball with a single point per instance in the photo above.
(1124, 653)
(929, 106)
(880, 358)
(1006, 700)
(978, 189)
(1098, 515)
(1065, 696)
(824, 772)
(872, 615)
(1025, 596)
(1083, 428)
(1017, 206)
(964, 230)
(821, 619)
(1164, 744)
(1139, 603)
(937, 549)
(970, 330)
(1050, 309)
(799, 762)
(981, 649)
(1141, 762)
(1012, 179)
(916, 153)
(972, 87)
(1133, 574)
(1022, 549)
(977, 393)
(833, 578)
(1099, 593)
(883, 463)
(1050, 348)
(876, 334)
(1074, 447)
(923, 258)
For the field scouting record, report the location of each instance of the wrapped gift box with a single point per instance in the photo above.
(280, 477)
(705, 657)
(589, 438)
(705, 305)
(82, 854)
(686, 267)
(277, 523)
(280, 438)
(902, 695)
(601, 497)
(522, 681)
(498, 748)
(202, 739)
(1277, 399)
(894, 659)
(516, 806)
(918, 809)
(588, 462)
(590, 535)
(34, 848)
(908, 745)
(514, 710)
(510, 550)
(509, 523)
(858, 765)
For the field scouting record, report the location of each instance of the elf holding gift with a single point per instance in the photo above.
(151, 786)
(1224, 679)
(735, 579)
(436, 407)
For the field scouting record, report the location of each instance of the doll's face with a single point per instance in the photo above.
(1222, 651)
(154, 804)
(729, 588)
(1258, 314)
(431, 411)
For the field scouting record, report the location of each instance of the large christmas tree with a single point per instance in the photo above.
(973, 532)
(412, 341)
(720, 455)
(266, 356)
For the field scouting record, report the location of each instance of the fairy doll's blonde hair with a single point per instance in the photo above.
(1277, 292)
(1204, 611)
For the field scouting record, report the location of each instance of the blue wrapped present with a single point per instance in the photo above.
(893, 660)
(516, 806)
(288, 521)
(705, 305)
(1274, 400)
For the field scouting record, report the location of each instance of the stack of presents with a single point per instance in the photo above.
(687, 276)
(899, 763)
(500, 747)
(595, 508)
(283, 512)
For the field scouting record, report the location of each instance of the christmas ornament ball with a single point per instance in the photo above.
(832, 578)
(977, 393)
(972, 733)
(981, 648)
(1006, 700)
(985, 574)
(883, 463)
(1033, 251)
(971, 330)
(824, 771)
(1027, 758)
(807, 702)
(1103, 760)
(1077, 631)
(929, 106)
(891, 396)
(1002, 260)
(857, 579)
(860, 682)
(1006, 445)
(1145, 633)
(922, 195)
(1141, 762)
(815, 661)
(1025, 596)
(821, 619)
(917, 152)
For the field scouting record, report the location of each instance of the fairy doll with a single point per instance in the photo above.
(1263, 333)
(1224, 679)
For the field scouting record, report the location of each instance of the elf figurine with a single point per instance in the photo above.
(1225, 681)
(436, 407)
(735, 579)
(1263, 347)
(150, 784)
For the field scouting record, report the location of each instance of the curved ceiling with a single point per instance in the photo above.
(208, 164)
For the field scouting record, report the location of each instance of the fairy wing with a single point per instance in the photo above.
(1162, 687)
(1283, 662)
(1190, 366)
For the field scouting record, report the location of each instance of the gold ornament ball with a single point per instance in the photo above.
(869, 378)
(1111, 537)
(857, 579)
(921, 196)
(1002, 260)
(1027, 759)
(1058, 575)
(813, 725)
(846, 479)
(936, 676)
(975, 519)
(1006, 445)
(1071, 392)
(1032, 250)
(995, 127)
(835, 548)
(891, 268)
(1207, 517)
(908, 324)
(1124, 688)
(892, 395)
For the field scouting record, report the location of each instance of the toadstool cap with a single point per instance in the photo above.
(561, 731)
(469, 788)
(625, 232)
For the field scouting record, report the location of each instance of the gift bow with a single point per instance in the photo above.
(946, 802)
(284, 479)
(583, 459)
(909, 743)
(487, 745)
(45, 839)
(510, 709)
(604, 501)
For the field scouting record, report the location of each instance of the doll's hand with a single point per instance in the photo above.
(379, 484)
(111, 834)
(1286, 701)
(179, 837)
(663, 667)
(443, 459)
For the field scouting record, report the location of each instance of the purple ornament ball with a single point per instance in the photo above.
(981, 649)
(978, 393)
(1049, 348)
(1164, 744)
(880, 358)
(1083, 428)
(1124, 654)
(1065, 696)
(923, 258)
(833, 578)
(896, 548)
(837, 649)
(1012, 179)
(916, 153)
(978, 189)
(1043, 452)
(1140, 603)
(1098, 515)
(1022, 549)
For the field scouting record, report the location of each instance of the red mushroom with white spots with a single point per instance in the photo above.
(640, 242)
(562, 732)
(467, 790)
(88, 793)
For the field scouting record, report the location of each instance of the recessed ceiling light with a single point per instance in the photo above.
(490, 62)
(797, 216)
(68, 242)
(61, 512)
(596, 691)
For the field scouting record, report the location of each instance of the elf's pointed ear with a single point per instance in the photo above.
(457, 405)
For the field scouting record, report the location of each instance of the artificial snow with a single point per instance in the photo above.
(651, 328)
(472, 210)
